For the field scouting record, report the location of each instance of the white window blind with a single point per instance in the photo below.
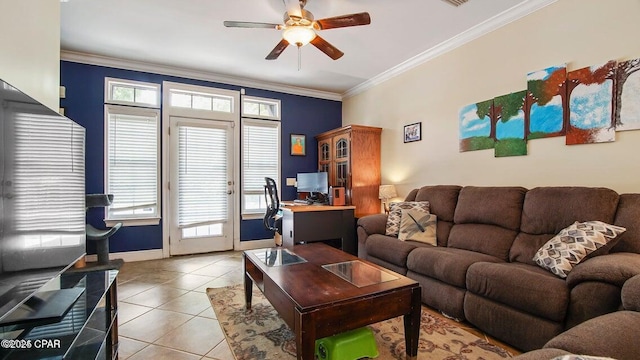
(260, 159)
(202, 176)
(48, 180)
(132, 162)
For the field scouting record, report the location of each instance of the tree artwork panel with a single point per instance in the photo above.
(509, 124)
(546, 102)
(591, 107)
(627, 114)
(476, 126)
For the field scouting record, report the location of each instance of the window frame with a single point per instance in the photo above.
(134, 109)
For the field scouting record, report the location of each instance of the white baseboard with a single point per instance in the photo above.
(142, 255)
(255, 244)
(131, 256)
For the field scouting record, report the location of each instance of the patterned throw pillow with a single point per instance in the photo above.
(418, 225)
(572, 244)
(393, 220)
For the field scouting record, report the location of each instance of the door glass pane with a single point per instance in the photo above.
(341, 149)
(202, 176)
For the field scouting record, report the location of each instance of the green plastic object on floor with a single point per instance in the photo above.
(350, 345)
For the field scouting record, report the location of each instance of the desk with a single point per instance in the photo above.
(310, 223)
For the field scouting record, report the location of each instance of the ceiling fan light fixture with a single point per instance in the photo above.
(298, 35)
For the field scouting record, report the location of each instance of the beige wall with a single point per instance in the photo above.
(30, 48)
(578, 32)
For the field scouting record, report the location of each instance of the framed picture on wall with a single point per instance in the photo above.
(413, 132)
(298, 145)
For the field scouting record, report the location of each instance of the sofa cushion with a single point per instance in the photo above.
(614, 334)
(525, 247)
(631, 294)
(487, 239)
(442, 200)
(419, 226)
(547, 210)
(501, 206)
(390, 249)
(527, 288)
(448, 265)
(395, 214)
(628, 216)
(574, 243)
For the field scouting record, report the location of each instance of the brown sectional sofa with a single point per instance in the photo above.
(482, 269)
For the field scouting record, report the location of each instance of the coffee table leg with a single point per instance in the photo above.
(412, 325)
(248, 285)
(305, 331)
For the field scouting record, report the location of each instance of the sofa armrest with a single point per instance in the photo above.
(373, 224)
(613, 268)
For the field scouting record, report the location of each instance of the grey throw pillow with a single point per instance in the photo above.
(395, 214)
(573, 243)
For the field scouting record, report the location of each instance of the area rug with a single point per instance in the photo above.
(261, 334)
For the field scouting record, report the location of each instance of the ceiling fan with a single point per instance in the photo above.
(300, 28)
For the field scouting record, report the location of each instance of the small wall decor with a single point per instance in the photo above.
(298, 145)
(509, 128)
(546, 102)
(627, 114)
(590, 93)
(476, 123)
(413, 132)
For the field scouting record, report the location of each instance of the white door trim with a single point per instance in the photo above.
(166, 114)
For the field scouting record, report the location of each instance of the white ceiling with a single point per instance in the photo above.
(188, 34)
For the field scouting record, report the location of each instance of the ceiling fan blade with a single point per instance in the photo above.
(344, 21)
(327, 48)
(246, 24)
(277, 50)
(293, 8)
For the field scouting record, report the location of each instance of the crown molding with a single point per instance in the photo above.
(106, 61)
(494, 23)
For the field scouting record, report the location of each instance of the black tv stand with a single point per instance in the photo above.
(87, 330)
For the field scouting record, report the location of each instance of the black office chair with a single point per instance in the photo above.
(271, 222)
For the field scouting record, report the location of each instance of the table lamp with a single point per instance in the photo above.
(386, 192)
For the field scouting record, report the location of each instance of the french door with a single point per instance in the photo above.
(201, 185)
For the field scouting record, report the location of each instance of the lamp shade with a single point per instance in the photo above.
(299, 35)
(387, 192)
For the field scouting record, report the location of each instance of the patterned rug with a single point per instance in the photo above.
(259, 333)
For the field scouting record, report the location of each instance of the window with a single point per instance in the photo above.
(260, 108)
(260, 150)
(260, 159)
(201, 101)
(128, 92)
(131, 152)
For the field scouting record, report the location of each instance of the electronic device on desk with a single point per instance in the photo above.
(316, 184)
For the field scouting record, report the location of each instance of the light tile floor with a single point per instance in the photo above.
(164, 312)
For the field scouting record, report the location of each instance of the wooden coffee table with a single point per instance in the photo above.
(321, 291)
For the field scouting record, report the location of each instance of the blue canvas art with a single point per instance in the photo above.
(476, 126)
(546, 99)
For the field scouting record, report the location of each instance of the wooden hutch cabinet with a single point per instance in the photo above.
(351, 156)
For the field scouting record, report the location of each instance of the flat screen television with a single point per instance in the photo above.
(42, 197)
(314, 183)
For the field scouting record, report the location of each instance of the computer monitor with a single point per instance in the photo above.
(317, 182)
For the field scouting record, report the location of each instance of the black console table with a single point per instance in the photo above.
(89, 330)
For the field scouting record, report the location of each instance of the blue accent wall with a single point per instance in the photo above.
(84, 103)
